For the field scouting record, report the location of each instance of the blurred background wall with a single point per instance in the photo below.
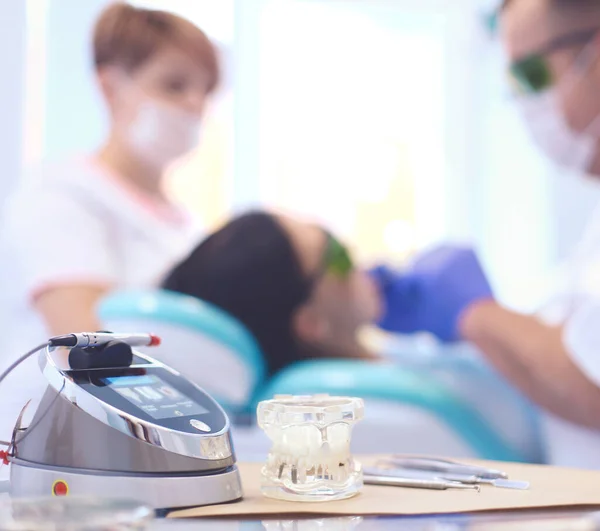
(13, 38)
(389, 121)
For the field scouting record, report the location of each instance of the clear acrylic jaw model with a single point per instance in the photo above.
(310, 458)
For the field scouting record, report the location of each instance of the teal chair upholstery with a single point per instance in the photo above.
(200, 340)
(411, 406)
(420, 388)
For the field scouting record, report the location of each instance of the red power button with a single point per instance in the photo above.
(60, 488)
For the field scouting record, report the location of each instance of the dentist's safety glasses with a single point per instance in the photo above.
(310, 458)
(532, 74)
(73, 514)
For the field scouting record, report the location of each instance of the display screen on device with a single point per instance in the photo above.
(153, 396)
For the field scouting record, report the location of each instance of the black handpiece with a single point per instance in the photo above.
(112, 355)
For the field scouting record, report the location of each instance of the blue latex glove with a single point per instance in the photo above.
(433, 293)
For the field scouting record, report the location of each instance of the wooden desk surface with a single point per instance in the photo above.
(551, 488)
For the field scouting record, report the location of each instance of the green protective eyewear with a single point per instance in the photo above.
(336, 258)
(533, 74)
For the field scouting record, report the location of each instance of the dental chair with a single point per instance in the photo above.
(444, 405)
(199, 340)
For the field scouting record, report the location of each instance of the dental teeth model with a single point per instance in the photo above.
(310, 458)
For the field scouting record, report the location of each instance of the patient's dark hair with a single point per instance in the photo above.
(250, 269)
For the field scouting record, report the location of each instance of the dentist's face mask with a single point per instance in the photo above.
(540, 103)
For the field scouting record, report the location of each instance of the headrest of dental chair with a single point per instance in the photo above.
(202, 342)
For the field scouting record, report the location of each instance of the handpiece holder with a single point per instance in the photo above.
(113, 354)
(310, 459)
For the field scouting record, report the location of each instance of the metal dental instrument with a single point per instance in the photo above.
(432, 484)
(445, 466)
(498, 483)
(462, 478)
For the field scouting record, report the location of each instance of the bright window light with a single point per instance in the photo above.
(215, 17)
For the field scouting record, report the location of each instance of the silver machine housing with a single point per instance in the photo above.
(86, 439)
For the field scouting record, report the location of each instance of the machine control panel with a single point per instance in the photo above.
(156, 395)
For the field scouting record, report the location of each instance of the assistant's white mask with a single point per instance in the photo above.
(162, 133)
(552, 134)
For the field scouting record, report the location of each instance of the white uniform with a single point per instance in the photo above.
(577, 306)
(75, 222)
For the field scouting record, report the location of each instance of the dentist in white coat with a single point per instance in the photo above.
(554, 49)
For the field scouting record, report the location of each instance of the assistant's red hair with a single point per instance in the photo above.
(128, 36)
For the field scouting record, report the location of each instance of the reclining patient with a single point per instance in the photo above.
(291, 283)
(295, 288)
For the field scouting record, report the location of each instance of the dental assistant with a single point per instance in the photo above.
(554, 47)
(102, 221)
